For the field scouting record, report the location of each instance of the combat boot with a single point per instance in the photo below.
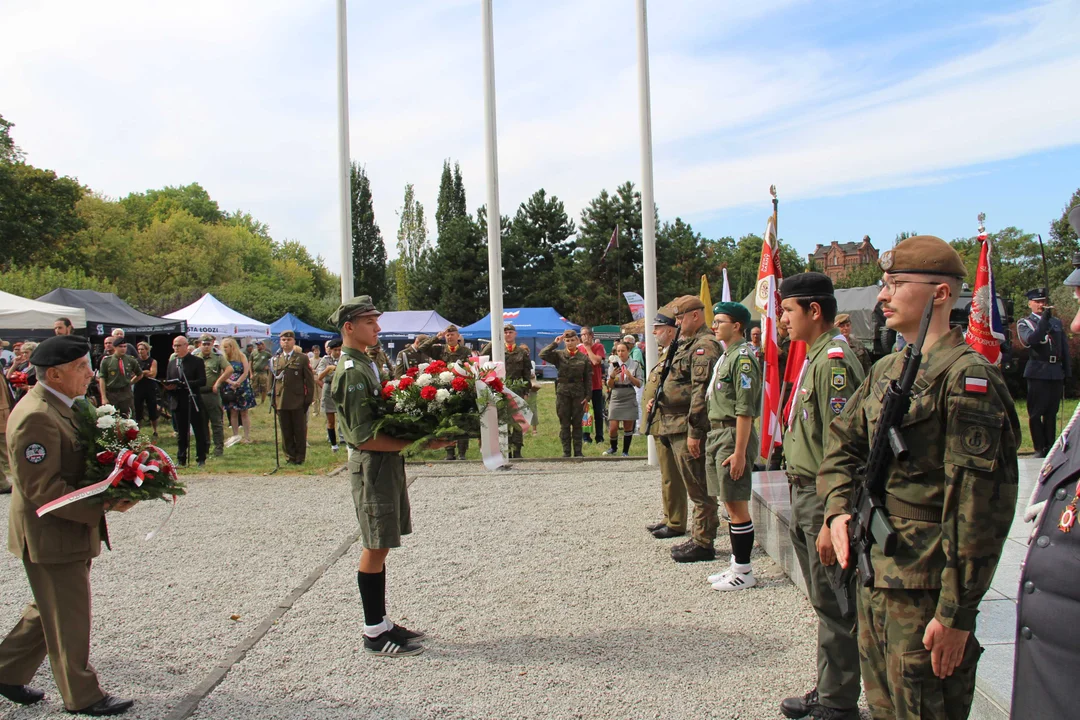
(692, 553)
(794, 707)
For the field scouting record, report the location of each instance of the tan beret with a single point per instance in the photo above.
(923, 254)
(451, 328)
(842, 318)
(686, 304)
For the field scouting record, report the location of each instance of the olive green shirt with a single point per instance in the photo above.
(109, 370)
(833, 373)
(355, 385)
(260, 360)
(682, 404)
(215, 365)
(735, 385)
(518, 363)
(575, 370)
(649, 391)
(438, 350)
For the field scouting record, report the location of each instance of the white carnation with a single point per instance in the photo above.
(423, 380)
(106, 421)
(128, 424)
(106, 410)
(489, 366)
(441, 395)
(393, 384)
(446, 377)
(422, 366)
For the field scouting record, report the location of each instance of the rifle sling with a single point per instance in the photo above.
(927, 380)
(909, 511)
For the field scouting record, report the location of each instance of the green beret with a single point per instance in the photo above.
(356, 307)
(736, 311)
(806, 285)
(925, 255)
(59, 350)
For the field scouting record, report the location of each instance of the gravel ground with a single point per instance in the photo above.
(542, 593)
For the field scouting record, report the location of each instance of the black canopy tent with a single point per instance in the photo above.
(105, 312)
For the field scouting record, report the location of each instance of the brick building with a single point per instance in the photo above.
(837, 259)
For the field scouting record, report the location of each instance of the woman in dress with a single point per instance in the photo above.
(145, 389)
(314, 359)
(243, 398)
(624, 377)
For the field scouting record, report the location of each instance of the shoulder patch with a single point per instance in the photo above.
(745, 382)
(976, 385)
(744, 351)
(837, 404)
(35, 453)
(836, 353)
(745, 365)
(839, 377)
(975, 439)
(700, 351)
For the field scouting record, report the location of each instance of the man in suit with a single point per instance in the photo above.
(57, 548)
(294, 391)
(185, 375)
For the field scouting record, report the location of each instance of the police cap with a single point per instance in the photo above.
(686, 303)
(735, 311)
(923, 254)
(806, 285)
(1037, 294)
(58, 350)
(356, 307)
(665, 316)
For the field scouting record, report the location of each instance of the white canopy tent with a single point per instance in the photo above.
(210, 315)
(19, 313)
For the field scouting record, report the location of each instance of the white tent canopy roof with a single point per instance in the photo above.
(210, 315)
(19, 313)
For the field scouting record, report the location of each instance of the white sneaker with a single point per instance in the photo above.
(736, 580)
(717, 577)
(232, 440)
(334, 448)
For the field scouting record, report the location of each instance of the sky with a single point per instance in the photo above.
(870, 117)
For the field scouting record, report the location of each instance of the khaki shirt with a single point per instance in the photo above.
(439, 350)
(409, 357)
(295, 384)
(215, 365)
(260, 359)
(832, 375)
(518, 361)
(735, 384)
(575, 371)
(962, 432)
(682, 405)
(355, 388)
(649, 391)
(110, 371)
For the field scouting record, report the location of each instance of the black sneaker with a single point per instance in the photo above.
(387, 645)
(694, 553)
(403, 634)
(795, 707)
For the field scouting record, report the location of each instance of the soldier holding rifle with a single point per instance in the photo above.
(948, 505)
(672, 489)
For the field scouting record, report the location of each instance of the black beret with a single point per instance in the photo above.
(335, 343)
(58, 350)
(806, 285)
(1037, 294)
(735, 311)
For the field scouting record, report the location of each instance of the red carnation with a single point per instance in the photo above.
(437, 366)
(496, 385)
(132, 433)
(428, 392)
(404, 382)
(387, 391)
(106, 457)
(412, 372)
(459, 384)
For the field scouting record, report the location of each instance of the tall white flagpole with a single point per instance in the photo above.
(648, 216)
(494, 220)
(344, 161)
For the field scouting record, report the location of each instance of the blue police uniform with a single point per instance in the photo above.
(1046, 371)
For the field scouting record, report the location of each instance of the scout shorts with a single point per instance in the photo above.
(381, 498)
(719, 444)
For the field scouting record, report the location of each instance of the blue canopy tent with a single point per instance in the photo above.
(536, 327)
(306, 335)
(398, 328)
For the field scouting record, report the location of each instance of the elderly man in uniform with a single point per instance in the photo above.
(218, 372)
(1047, 368)
(377, 474)
(951, 502)
(411, 355)
(830, 378)
(672, 489)
(684, 422)
(518, 379)
(57, 548)
(116, 375)
(733, 397)
(448, 347)
(843, 324)
(1048, 607)
(294, 391)
(573, 387)
(260, 365)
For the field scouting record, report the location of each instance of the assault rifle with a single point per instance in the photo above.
(869, 522)
(664, 371)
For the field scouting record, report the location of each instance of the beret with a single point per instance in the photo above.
(206, 337)
(1037, 294)
(287, 334)
(842, 318)
(736, 311)
(923, 254)
(451, 328)
(335, 343)
(58, 350)
(509, 326)
(355, 307)
(806, 285)
(686, 303)
(665, 316)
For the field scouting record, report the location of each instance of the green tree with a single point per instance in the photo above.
(534, 242)
(143, 208)
(368, 249)
(746, 257)
(681, 260)
(37, 212)
(860, 276)
(463, 277)
(9, 151)
(1063, 243)
(1017, 262)
(411, 242)
(36, 280)
(444, 210)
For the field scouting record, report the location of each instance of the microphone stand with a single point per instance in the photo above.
(273, 411)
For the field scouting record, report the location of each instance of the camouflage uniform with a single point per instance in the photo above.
(572, 387)
(683, 414)
(961, 479)
(409, 357)
(734, 390)
(118, 384)
(832, 375)
(672, 489)
(518, 379)
(861, 355)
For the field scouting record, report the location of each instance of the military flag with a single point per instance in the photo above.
(612, 243)
(985, 332)
(725, 294)
(767, 301)
(706, 300)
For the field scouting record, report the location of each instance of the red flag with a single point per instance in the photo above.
(985, 332)
(613, 242)
(767, 300)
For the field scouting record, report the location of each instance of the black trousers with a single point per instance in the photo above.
(187, 416)
(598, 413)
(145, 401)
(1044, 398)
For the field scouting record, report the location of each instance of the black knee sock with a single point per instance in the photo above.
(331, 434)
(742, 541)
(614, 442)
(372, 595)
(626, 438)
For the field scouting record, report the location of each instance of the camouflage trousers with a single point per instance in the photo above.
(897, 673)
(672, 489)
(569, 409)
(692, 472)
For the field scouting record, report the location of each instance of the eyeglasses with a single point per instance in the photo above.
(890, 285)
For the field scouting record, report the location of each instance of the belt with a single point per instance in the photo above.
(909, 511)
(618, 385)
(801, 480)
(717, 424)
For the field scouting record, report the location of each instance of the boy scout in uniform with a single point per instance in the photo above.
(218, 371)
(56, 549)
(830, 377)
(294, 391)
(684, 422)
(260, 364)
(573, 387)
(672, 489)
(376, 472)
(448, 347)
(733, 396)
(116, 374)
(518, 378)
(951, 503)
